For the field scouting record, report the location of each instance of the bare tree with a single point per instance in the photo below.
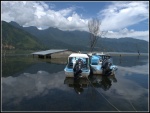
(94, 29)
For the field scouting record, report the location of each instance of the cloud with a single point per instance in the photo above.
(40, 15)
(118, 15)
(123, 14)
(144, 35)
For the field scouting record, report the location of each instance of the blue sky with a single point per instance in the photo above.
(118, 19)
(87, 9)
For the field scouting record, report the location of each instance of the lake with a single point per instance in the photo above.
(32, 84)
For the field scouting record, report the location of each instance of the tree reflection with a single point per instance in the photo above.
(96, 81)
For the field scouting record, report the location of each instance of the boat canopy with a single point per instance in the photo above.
(79, 55)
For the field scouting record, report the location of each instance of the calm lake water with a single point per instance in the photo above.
(41, 85)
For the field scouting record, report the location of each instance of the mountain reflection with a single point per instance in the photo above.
(96, 81)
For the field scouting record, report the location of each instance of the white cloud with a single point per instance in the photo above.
(128, 33)
(123, 14)
(66, 12)
(19, 12)
(38, 14)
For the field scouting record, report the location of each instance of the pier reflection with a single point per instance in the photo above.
(96, 81)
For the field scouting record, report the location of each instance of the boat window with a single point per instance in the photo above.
(74, 59)
(94, 62)
(95, 59)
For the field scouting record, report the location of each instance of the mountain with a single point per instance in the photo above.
(126, 44)
(55, 38)
(15, 38)
(79, 40)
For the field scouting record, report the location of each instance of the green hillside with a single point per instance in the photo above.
(15, 38)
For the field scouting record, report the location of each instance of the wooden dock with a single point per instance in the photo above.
(48, 53)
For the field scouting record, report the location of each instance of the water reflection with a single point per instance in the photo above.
(15, 65)
(129, 61)
(43, 86)
(140, 69)
(77, 84)
(103, 81)
(29, 85)
(97, 81)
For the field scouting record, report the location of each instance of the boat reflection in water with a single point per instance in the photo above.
(78, 84)
(102, 81)
(96, 81)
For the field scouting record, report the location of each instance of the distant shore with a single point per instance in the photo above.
(122, 53)
(28, 53)
(126, 54)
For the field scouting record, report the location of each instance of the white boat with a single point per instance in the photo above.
(78, 65)
(102, 64)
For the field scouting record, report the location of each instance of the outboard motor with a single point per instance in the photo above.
(106, 67)
(77, 68)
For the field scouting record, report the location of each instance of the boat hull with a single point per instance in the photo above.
(99, 72)
(96, 69)
(70, 73)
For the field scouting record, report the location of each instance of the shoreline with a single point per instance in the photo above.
(120, 54)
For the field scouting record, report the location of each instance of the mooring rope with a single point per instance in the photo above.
(130, 102)
(103, 96)
(132, 105)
